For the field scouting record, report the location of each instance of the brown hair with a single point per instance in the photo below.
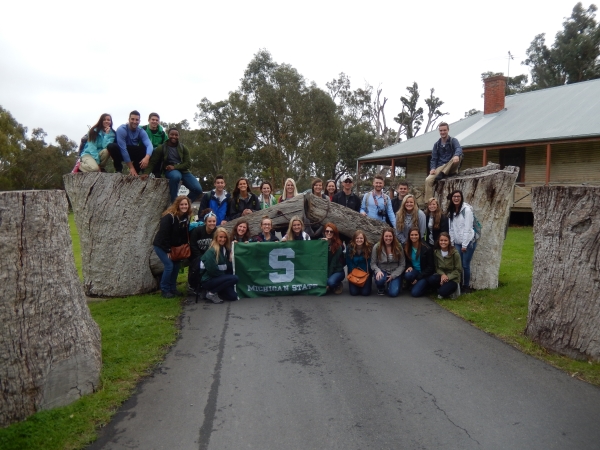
(174, 208)
(451, 248)
(246, 236)
(396, 248)
(409, 245)
(367, 247)
(437, 214)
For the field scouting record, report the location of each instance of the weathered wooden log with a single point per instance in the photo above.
(564, 303)
(117, 217)
(489, 191)
(318, 211)
(50, 351)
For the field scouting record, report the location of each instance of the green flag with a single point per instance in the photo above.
(269, 269)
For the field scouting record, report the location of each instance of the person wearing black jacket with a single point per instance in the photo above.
(435, 222)
(242, 202)
(172, 232)
(346, 197)
(419, 263)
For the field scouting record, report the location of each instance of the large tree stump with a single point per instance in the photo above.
(564, 303)
(318, 211)
(117, 217)
(489, 191)
(49, 344)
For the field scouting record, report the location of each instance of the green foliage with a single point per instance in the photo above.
(411, 116)
(503, 311)
(573, 57)
(30, 163)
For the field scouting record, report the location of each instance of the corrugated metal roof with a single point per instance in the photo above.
(560, 113)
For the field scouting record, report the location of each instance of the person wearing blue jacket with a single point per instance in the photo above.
(218, 200)
(133, 146)
(358, 254)
(95, 154)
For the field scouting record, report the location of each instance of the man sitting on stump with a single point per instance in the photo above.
(132, 147)
(445, 159)
(156, 134)
(174, 157)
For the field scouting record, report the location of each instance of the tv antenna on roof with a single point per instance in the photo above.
(510, 56)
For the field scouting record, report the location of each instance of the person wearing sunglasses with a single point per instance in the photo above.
(335, 259)
(346, 197)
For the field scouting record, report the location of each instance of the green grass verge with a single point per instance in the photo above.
(136, 334)
(502, 312)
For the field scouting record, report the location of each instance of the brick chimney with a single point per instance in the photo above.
(493, 94)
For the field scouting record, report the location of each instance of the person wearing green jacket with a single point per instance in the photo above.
(176, 163)
(448, 267)
(157, 136)
(218, 278)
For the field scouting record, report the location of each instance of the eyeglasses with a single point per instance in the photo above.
(328, 231)
(347, 181)
(456, 196)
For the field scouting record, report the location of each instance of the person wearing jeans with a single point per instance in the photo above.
(462, 233)
(448, 267)
(387, 263)
(419, 263)
(335, 259)
(172, 232)
(176, 162)
(216, 262)
(358, 255)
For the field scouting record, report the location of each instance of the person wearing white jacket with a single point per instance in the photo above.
(462, 235)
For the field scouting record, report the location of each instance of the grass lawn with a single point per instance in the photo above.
(136, 334)
(502, 312)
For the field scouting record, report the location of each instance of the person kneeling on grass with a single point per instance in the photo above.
(448, 267)
(387, 263)
(335, 259)
(218, 278)
(419, 263)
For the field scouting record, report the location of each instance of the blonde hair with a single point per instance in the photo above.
(290, 233)
(437, 214)
(284, 194)
(215, 243)
(401, 214)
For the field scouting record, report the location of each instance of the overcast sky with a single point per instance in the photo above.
(63, 63)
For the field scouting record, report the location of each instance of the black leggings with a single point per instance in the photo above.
(446, 289)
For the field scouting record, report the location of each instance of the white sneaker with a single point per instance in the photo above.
(213, 297)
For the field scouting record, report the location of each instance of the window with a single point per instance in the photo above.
(514, 157)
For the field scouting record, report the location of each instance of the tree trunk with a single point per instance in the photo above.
(315, 210)
(564, 303)
(50, 351)
(489, 191)
(117, 217)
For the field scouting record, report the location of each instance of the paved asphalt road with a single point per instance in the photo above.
(343, 372)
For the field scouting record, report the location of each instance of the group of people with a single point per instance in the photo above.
(146, 150)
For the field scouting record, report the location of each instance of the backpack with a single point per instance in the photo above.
(476, 225)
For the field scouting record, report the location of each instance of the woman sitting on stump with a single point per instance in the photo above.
(172, 232)
(419, 263)
(95, 155)
(218, 278)
(448, 268)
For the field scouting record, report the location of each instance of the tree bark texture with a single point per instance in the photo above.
(315, 210)
(117, 217)
(489, 191)
(564, 303)
(50, 351)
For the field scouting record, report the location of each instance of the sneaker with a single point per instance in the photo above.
(338, 289)
(213, 297)
(168, 295)
(380, 291)
(456, 293)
